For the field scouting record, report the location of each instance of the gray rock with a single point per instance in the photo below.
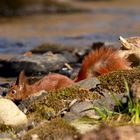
(105, 99)
(35, 64)
(4, 88)
(10, 114)
(89, 83)
(7, 136)
(81, 109)
(83, 127)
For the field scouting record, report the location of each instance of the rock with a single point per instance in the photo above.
(80, 109)
(35, 64)
(4, 88)
(89, 83)
(10, 114)
(7, 136)
(112, 133)
(55, 48)
(97, 45)
(23, 105)
(131, 49)
(90, 108)
(83, 109)
(83, 127)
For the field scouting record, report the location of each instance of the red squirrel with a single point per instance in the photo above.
(97, 62)
(101, 61)
(21, 89)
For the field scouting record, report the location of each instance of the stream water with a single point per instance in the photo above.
(104, 21)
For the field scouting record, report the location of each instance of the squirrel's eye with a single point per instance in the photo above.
(13, 91)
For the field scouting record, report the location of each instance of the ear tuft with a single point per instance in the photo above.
(21, 79)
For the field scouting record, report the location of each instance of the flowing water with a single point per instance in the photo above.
(103, 21)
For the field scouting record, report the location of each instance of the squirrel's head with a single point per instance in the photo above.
(18, 89)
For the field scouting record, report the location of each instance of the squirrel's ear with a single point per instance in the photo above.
(21, 80)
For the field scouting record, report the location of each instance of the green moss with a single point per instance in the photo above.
(114, 120)
(52, 103)
(6, 128)
(87, 120)
(8, 131)
(41, 112)
(71, 93)
(59, 99)
(114, 81)
(53, 130)
(117, 120)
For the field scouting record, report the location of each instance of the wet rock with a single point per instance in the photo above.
(66, 71)
(10, 114)
(35, 64)
(77, 50)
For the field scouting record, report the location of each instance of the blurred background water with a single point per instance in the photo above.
(25, 24)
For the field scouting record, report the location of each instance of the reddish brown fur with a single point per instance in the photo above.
(21, 89)
(102, 61)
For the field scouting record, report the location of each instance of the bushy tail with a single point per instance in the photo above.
(101, 61)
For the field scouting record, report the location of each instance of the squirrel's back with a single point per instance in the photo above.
(101, 61)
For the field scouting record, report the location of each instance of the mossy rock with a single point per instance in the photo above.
(53, 130)
(53, 102)
(41, 113)
(6, 128)
(7, 132)
(115, 81)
